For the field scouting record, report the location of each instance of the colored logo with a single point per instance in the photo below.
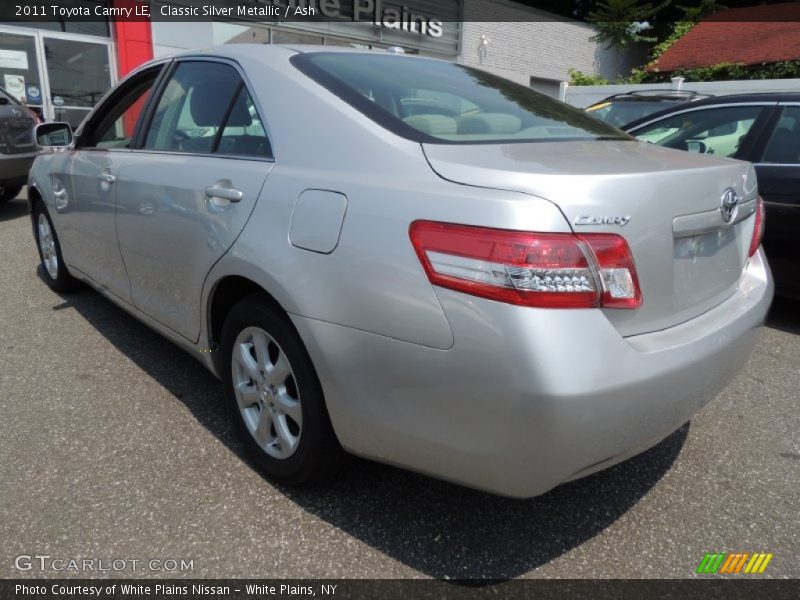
(734, 563)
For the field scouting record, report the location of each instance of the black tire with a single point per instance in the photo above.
(62, 281)
(318, 454)
(9, 192)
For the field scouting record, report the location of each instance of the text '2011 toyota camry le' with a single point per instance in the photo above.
(409, 260)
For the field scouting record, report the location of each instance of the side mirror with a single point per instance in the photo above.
(53, 135)
(696, 146)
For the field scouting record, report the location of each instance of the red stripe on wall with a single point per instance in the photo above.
(134, 39)
(134, 47)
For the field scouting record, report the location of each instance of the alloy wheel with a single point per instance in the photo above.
(47, 244)
(266, 392)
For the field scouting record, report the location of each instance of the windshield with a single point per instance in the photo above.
(622, 112)
(434, 101)
(6, 98)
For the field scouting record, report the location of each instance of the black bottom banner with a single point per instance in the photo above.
(358, 589)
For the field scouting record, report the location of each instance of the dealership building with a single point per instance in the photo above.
(61, 66)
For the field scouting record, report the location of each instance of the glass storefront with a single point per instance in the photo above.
(79, 74)
(20, 74)
(170, 38)
(59, 75)
(229, 33)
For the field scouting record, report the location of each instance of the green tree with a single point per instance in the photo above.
(622, 23)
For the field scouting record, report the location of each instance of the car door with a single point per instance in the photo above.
(84, 187)
(186, 192)
(778, 169)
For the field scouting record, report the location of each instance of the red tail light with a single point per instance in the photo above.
(758, 230)
(548, 270)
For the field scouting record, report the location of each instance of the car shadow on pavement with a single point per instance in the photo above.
(439, 529)
(785, 315)
(13, 209)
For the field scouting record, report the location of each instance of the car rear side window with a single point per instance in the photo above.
(205, 109)
(434, 101)
(784, 145)
(244, 133)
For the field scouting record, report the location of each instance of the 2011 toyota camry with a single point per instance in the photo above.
(409, 260)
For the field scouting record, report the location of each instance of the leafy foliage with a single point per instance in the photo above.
(614, 18)
(577, 77)
(621, 23)
(788, 69)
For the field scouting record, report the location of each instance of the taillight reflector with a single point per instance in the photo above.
(758, 229)
(548, 270)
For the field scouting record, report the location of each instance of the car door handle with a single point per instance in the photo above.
(108, 177)
(226, 193)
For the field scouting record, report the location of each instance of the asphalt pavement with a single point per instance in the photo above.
(116, 445)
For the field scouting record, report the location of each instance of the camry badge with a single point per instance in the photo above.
(729, 205)
(620, 220)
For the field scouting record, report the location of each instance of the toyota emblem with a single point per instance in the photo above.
(729, 205)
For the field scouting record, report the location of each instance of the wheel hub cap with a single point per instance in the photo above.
(266, 392)
(47, 245)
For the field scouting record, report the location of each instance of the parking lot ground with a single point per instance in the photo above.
(115, 445)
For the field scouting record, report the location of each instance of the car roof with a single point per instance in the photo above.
(754, 97)
(236, 51)
(645, 95)
(763, 97)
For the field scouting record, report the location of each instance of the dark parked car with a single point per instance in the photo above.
(17, 148)
(620, 109)
(763, 129)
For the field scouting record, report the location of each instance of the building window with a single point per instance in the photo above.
(284, 36)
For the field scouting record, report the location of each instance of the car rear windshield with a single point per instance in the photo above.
(621, 112)
(433, 101)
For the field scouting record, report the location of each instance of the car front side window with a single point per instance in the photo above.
(114, 124)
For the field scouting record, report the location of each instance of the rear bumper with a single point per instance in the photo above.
(14, 168)
(527, 399)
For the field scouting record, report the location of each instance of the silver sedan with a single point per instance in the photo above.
(408, 260)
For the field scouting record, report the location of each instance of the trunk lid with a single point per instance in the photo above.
(688, 258)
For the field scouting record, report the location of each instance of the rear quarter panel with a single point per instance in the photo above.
(373, 280)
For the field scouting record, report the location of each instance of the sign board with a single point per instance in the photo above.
(13, 59)
(15, 86)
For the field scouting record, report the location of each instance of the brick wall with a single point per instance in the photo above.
(520, 48)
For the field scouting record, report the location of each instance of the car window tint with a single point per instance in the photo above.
(193, 107)
(435, 101)
(718, 131)
(115, 121)
(244, 133)
(622, 112)
(784, 145)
